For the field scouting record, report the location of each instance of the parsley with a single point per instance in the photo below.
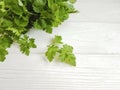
(51, 52)
(26, 44)
(65, 53)
(5, 42)
(17, 17)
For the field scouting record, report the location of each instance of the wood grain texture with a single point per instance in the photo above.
(87, 38)
(36, 73)
(95, 35)
(97, 11)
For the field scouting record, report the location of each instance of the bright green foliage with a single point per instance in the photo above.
(72, 1)
(26, 44)
(3, 53)
(5, 42)
(57, 40)
(17, 17)
(52, 50)
(65, 53)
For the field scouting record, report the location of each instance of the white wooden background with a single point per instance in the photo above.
(95, 35)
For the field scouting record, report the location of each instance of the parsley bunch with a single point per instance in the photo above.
(17, 17)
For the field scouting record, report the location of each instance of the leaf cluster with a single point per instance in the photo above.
(17, 17)
(64, 52)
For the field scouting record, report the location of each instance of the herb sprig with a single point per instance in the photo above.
(63, 51)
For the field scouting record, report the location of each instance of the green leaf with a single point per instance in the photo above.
(67, 48)
(17, 9)
(15, 6)
(25, 44)
(38, 5)
(67, 56)
(5, 42)
(6, 23)
(14, 30)
(37, 25)
(2, 13)
(51, 52)
(57, 40)
(22, 22)
(39, 2)
(10, 2)
(3, 53)
(72, 1)
(50, 3)
(2, 6)
(49, 29)
(20, 3)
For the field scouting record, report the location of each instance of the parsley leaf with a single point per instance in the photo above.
(52, 50)
(3, 53)
(26, 44)
(72, 1)
(57, 40)
(5, 42)
(67, 56)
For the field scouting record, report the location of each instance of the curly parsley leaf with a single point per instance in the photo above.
(57, 40)
(5, 42)
(66, 55)
(52, 50)
(72, 1)
(26, 44)
(3, 53)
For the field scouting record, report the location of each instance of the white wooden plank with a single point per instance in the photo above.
(97, 11)
(95, 35)
(86, 38)
(93, 72)
(33, 60)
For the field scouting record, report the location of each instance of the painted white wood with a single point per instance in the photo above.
(97, 11)
(95, 35)
(86, 38)
(93, 72)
